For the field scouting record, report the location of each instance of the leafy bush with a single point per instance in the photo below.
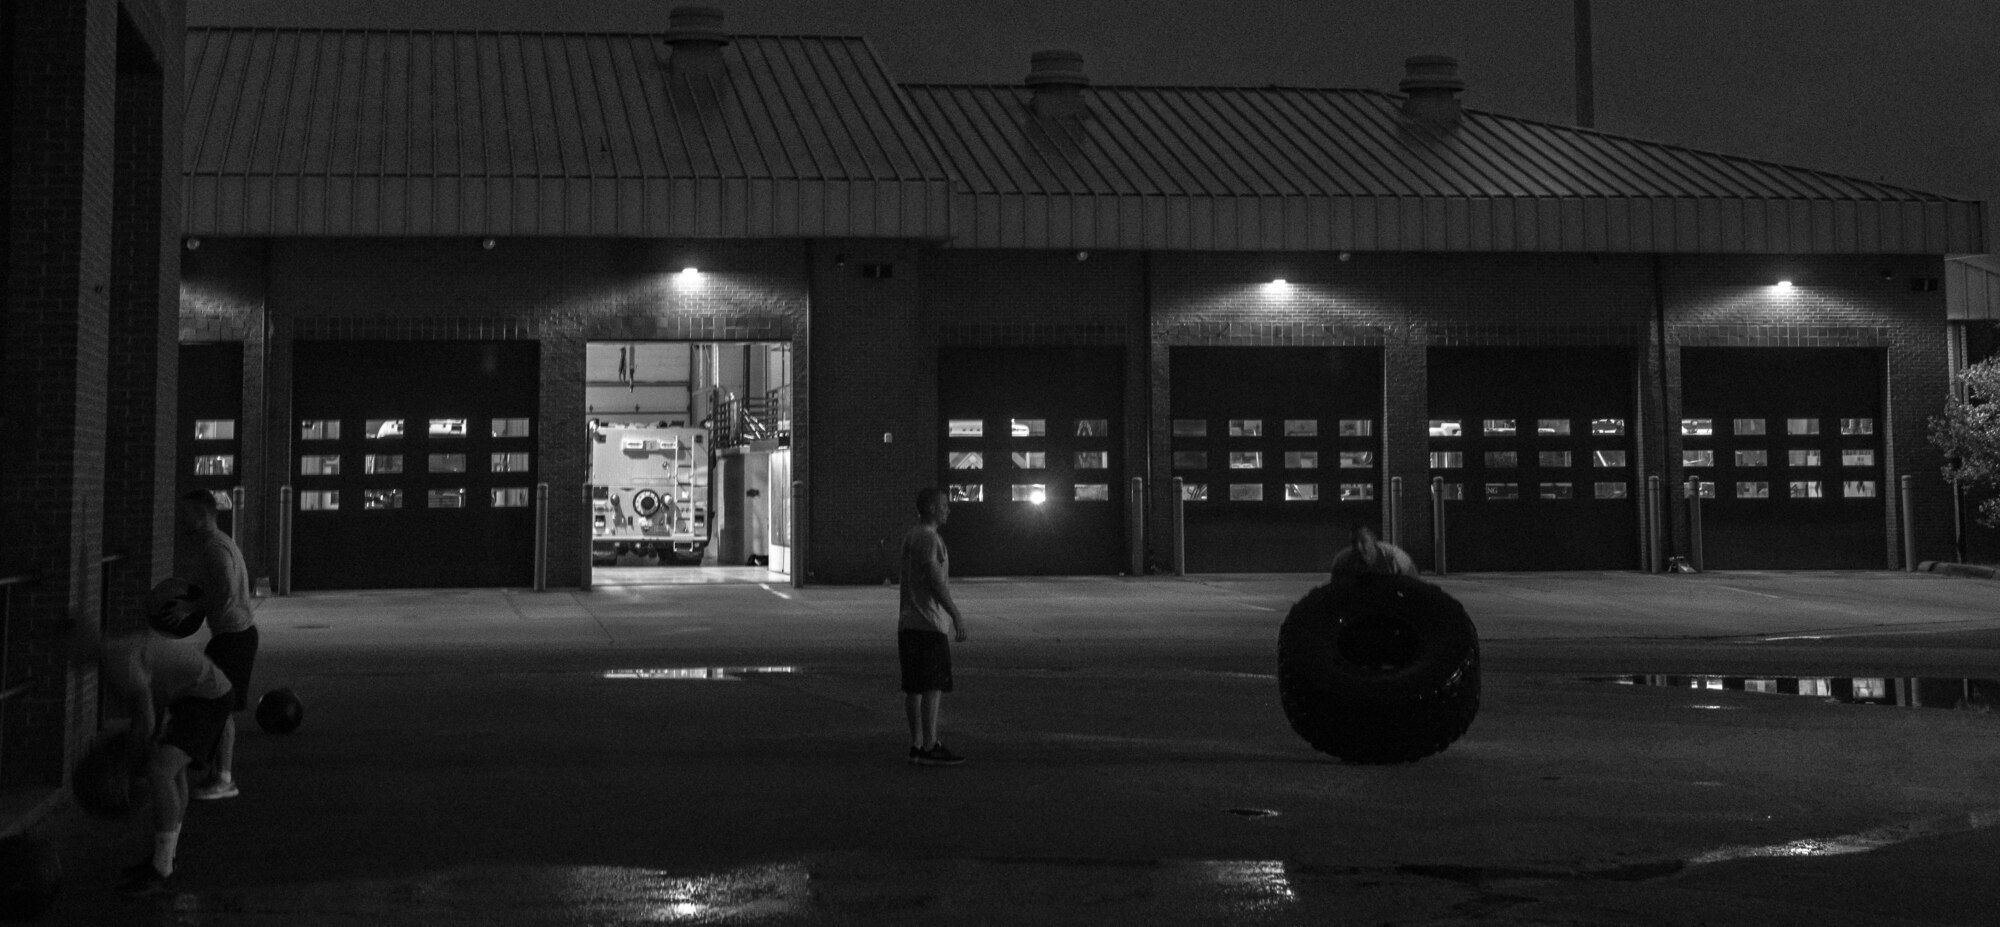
(1969, 434)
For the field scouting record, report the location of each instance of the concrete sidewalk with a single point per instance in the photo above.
(481, 757)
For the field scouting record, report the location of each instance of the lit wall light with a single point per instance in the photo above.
(1784, 284)
(1277, 286)
(688, 278)
(1038, 497)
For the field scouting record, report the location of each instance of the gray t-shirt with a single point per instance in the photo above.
(171, 670)
(921, 610)
(214, 563)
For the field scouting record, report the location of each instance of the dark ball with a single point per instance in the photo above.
(104, 781)
(167, 608)
(280, 711)
(30, 876)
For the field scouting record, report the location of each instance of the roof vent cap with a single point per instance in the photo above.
(696, 36)
(1057, 78)
(1432, 85)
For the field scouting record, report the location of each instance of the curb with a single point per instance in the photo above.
(1972, 570)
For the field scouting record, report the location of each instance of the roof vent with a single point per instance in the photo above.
(1432, 83)
(1058, 80)
(696, 36)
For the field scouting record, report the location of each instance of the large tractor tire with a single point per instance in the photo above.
(1379, 669)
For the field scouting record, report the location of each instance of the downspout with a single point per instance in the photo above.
(1146, 379)
(1667, 508)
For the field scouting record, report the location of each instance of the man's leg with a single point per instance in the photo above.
(221, 783)
(913, 712)
(168, 769)
(933, 702)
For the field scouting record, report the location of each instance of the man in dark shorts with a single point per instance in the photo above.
(921, 626)
(177, 701)
(211, 561)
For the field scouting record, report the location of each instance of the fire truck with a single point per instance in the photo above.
(649, 493)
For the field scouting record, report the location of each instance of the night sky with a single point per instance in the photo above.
(1906, 92)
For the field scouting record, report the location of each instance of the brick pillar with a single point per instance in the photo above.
(139, 410)
(52, 380)
(1406, 440)
(861, 489)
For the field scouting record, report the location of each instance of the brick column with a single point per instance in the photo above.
(52, 390)
(141, 389)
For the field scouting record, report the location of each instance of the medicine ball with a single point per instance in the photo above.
(280, 711)
(104, 781)
(167, 611)
(30, 876)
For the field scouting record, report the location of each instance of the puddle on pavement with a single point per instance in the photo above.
(1959, 694)
(701, 673)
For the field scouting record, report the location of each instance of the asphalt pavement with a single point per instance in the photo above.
(656, 752)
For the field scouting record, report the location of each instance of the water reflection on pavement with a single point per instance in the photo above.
(832, 890)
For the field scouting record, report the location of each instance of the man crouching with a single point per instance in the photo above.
(177, 702)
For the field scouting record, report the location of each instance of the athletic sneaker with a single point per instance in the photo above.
(143, 880)
(215, 789)
(939, 755)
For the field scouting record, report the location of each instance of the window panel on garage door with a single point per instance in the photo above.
(414, 464)
(1279, 451)
(209, 434)
(1033, 459)
(1535, 450)
(1786, 444)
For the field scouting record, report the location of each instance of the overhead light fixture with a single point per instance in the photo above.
(689, 277)
(487, 243)
(1277, 286)
(1038, 496)
(1784, 284)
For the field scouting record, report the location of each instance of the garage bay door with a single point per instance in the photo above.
(1787, 443)
(1033, 459)
(1535, 449)
(1279, 453)
(413, 464)
(209, 443)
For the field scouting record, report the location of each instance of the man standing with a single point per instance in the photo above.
(178, 702)
(921, 627)
(212, 562)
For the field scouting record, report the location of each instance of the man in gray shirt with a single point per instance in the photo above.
(921, 628)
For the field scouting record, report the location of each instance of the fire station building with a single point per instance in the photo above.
(490, 308)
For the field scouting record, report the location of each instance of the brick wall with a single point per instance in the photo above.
(90, 112)
(1835, 302)
(1403, 303)
(1042, 298)
(869, 408)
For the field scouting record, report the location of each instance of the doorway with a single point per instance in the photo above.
(690, 449)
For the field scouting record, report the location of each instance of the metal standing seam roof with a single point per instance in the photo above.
(356, 132)
(1972, 288)
(1276, 168)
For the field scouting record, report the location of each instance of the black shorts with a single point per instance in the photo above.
(194, 726)
(926, 657)
(235, 654)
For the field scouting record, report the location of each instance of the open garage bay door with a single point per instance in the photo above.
(1279, 453)
(1535, 448)
(414, 464)
(1032, 459)
(1787, 444)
